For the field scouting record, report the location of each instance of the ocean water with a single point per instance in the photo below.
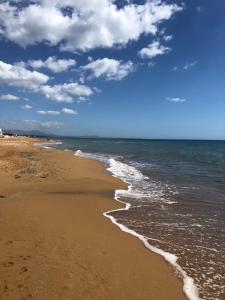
(175, 202)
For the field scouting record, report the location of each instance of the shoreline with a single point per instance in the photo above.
(189, 286)
(80, 189)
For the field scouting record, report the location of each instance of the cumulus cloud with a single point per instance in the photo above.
(48, 112)
(154, 49)
(9, 97)
(19, 76)
(175, 99)
(81, 25)
(27, 106)
(53, 64)
(69, 111)
(65, 92)
(111, 69)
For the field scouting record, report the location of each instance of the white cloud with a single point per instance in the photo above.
(9, 97)
(69, 111)
(111, 69)
(66, 111)
(175, 99)
(167, 38)
(17, 75)
(48, 112)
(53, 64)
(151, 64)
(186, 67)
(86, 25)
(30, 124)
(97, 90)
(27, 106)
(154, 49)
(65, 92)
(81, 79)
(190, 65)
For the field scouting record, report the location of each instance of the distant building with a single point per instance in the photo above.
(1, 133)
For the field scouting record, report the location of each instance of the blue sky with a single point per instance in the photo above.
(147, 69)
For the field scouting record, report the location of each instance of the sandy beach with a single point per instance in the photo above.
(55, 242)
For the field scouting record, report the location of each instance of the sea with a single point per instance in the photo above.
(175, 202)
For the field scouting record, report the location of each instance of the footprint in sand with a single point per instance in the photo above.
(25, 293)
(25, 257)
(8, 242)
(8, 264)
(4, 288)
(24, 270)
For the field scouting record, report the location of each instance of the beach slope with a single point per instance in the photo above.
(55, 242)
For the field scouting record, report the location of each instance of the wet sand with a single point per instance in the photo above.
(54, 241)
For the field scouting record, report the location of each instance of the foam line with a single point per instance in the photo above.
(47, 145)
(123, 171)
(189, 287)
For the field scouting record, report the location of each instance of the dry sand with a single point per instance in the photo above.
(54, 241)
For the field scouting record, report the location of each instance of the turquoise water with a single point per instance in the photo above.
(177, 197)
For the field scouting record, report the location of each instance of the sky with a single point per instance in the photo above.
(133, 69)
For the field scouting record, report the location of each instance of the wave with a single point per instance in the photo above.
(132, 176)
(189, 286)
(140, 186)
(48, 145)
(95, 156)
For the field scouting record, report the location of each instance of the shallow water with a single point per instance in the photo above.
(177, 197)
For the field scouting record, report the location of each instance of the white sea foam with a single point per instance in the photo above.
(47, 145)
(79, 153)
(124, 171)
(189, 287)
(130, 175)
(99, 157)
